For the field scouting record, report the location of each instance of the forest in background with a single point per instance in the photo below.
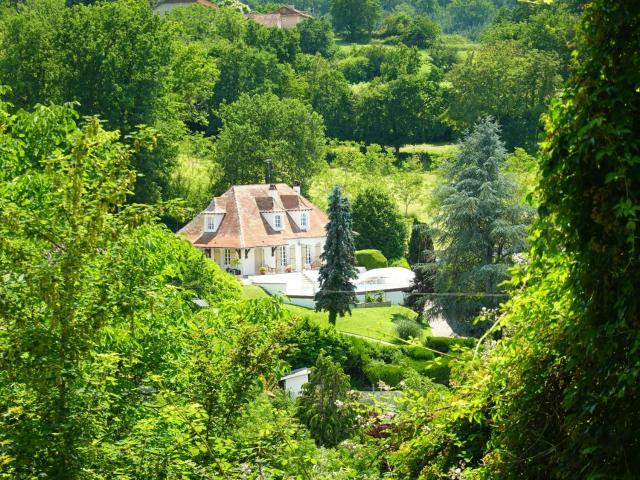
(109, 368)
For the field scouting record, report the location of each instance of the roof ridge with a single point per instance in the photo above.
(235, 199)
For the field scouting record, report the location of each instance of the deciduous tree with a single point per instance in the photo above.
(378, 223)
(355, 18)
(263, 126)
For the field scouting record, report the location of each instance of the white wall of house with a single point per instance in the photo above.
(296, 253)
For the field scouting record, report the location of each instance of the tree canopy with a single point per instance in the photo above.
(260, 127)
(378, 223)
(126, 65)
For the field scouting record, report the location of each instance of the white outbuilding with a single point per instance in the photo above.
(293, 382)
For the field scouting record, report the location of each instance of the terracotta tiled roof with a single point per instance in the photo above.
(267, 19)
(217, 205)
(291, 10)
(243, 225)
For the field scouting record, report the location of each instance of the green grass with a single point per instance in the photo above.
(376, 323)
(253, 291)
(433, 149)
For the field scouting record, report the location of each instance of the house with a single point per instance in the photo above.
(284, 17)
(293, 382)
(265, 227)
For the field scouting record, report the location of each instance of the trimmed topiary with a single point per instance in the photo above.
(392, 375)
(371, 259)
(399, 262)
(417, 352)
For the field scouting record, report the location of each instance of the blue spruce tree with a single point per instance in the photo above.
(336, 292)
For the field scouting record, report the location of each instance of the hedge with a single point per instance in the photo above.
(392, 375)
(445, 344)
(370, 259)
(399, 262)
(417, 352)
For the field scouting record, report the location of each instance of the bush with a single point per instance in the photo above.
(392, 375)
(438, 371)
(406, 328)
(362, 354)
(446, 344)
(370, 259)
(307, 339)
(355, 69)
(399, 262)
(417, 352)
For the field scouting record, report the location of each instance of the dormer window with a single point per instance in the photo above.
(304, 220)
(210, 223)
(278, 221)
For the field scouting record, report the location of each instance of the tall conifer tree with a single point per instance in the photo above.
(481, 224)
(336, 289)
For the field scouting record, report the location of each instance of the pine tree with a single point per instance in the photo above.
(481, 224)
(336, 289)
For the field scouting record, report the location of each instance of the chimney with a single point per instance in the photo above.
(296, 187)
(273, 192)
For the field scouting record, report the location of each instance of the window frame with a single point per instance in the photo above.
(307, 255)
(304, 220)
(284, 255)
(277, 222)
(210, 223)
(227, 257)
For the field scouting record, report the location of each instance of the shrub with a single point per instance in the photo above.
(307, 339)
(417, 352)
(438, 371)
(370, 259)
(392, 375)
(399, 262)
(446, 344)
(355, 69)
(374, 297)
(406, 328)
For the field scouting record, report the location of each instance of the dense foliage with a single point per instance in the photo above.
(557, 398)
(119, 61)
(108, 367)
(260, 127)
(378, 223)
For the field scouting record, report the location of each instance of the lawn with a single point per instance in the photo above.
(375, 323)
(253, 291)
